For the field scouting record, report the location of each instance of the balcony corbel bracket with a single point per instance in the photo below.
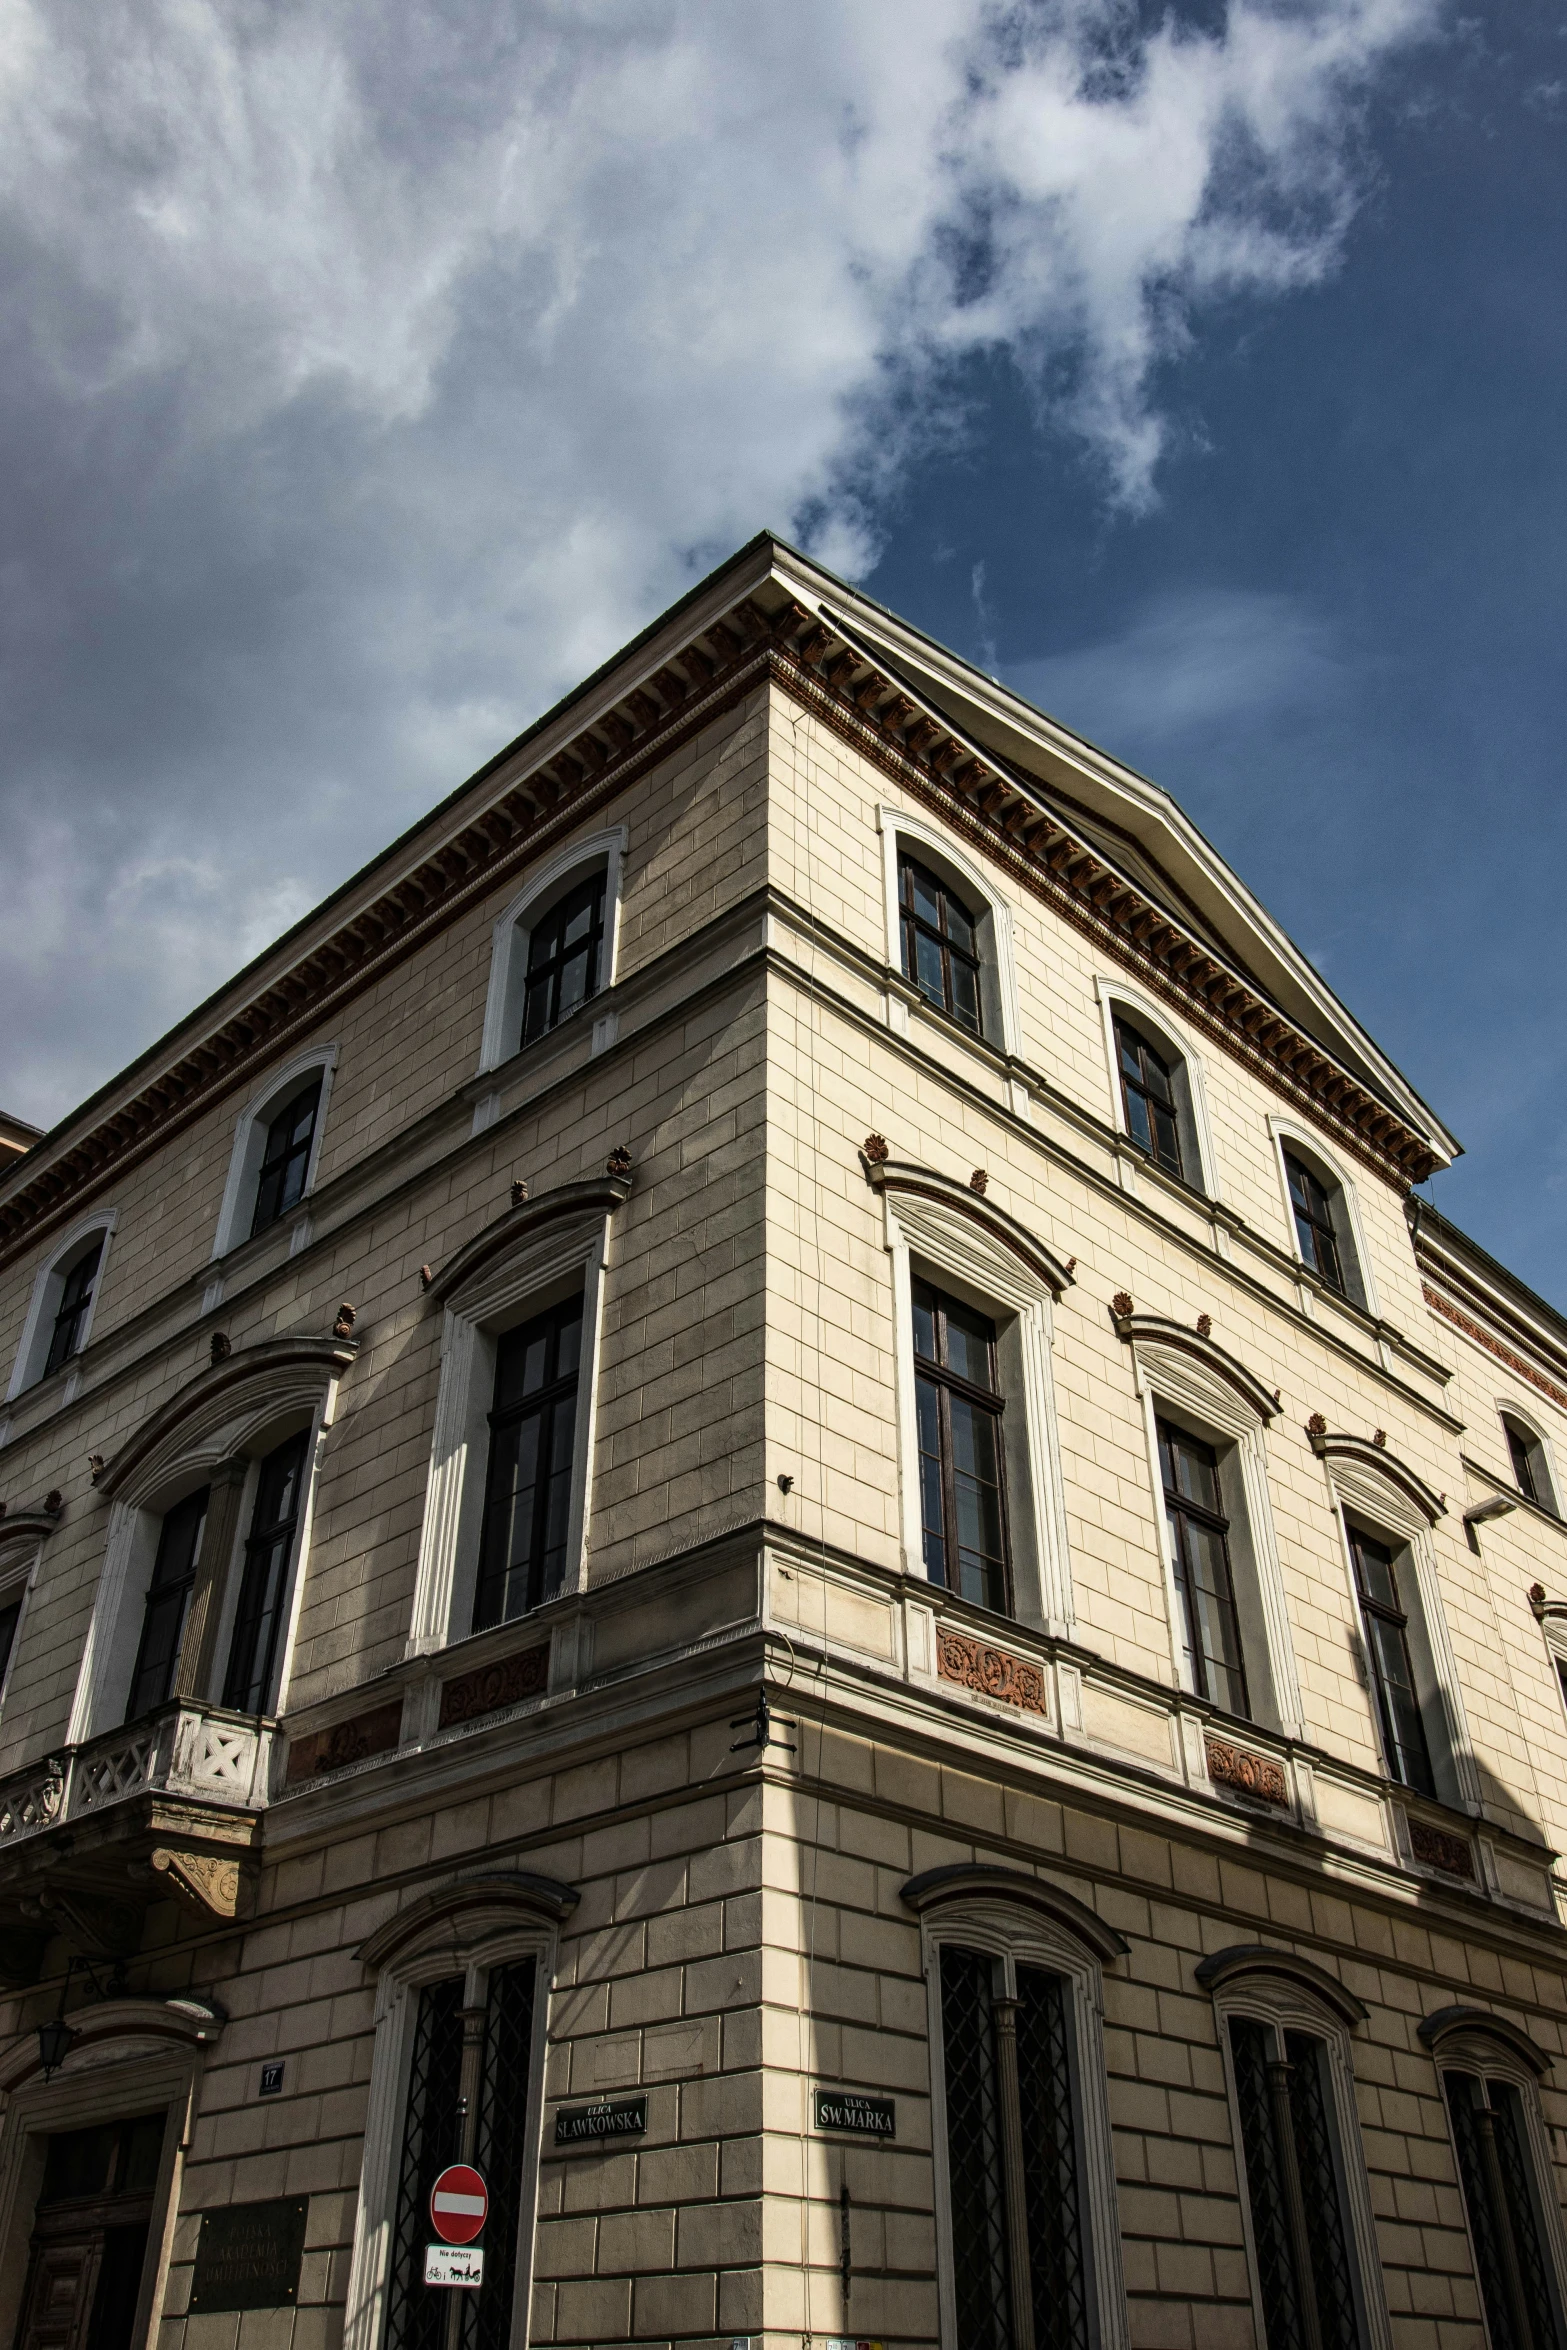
(209, 1883)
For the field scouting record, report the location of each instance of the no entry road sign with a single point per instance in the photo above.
(459, 2204)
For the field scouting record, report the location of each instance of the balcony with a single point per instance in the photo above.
(168, 1805)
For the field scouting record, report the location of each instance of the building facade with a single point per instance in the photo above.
(752, 1495)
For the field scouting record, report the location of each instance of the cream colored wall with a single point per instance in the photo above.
(838, 1074)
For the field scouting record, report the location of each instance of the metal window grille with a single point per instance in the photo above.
(496, 2141)
(975, 2163)
(1496, 2171)
(1299, 2230)
(1055, 2236)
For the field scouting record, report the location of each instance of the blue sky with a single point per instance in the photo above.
(373, 370)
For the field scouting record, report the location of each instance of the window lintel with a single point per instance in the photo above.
(905, 1177)
(977, 1881)
(518, 1224)
(1330, 1445)
(270, 1363)
(1438, 2032)
(519, 1897)
(1155, 1329)
(1248, 1961)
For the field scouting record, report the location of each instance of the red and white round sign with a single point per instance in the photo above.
(459, 2204)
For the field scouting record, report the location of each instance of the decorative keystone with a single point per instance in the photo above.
(95, 1463)
(979, 1181)
(1121, 1304)
(1278, 1396)
(1071, 1264)
(1316, 1425)
(425, 1276)
(619, 1163)
(876, 1149)
(346, 1318)
(519, 1192)
(1205, 1325)
(1537, 1602)
(222, 1346)
(54, 1502)
(1379, 1437)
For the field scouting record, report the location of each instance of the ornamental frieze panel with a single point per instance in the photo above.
(1435, 1848)
(991, 1672)
(355, 1740)
(490, 1688)
(1256, 1775)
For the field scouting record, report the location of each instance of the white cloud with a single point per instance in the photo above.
(385, 362)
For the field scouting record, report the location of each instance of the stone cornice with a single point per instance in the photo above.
(981, 796)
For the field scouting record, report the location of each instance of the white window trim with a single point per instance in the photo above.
(1509, 1408)
(1169, 1375)
(1289, 2006)
(47, 1285)
(250, 1137)
(952, 1243)
(493, 1301)
(1359, 1490)
(1289, 1130)
(1484, 2054)
(191, 1456)
(1144, 1012)
(1014, 1934)
(508, 952)
(997, 955)
(444, 1952)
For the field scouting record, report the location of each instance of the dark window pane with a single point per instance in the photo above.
(565, 955)
(1148, 1097)
(965, 994)
(1055, 2234)
(70, 1320)
(1466, 2105)
(1200, 1556)
(970, 1344)
(285, 1159)
(269, 1551)
(415, 2316)
(976, 1501)
(1520, 2191)
(527, 1504)
(939, 943)
(960, 1447)
(932, 1515)
(1377, 1580)
(1522, 1452)
(1314, 1228)
(975, 2169)
(10, 1617)
(925, 1323)
(168, 1604)
(1392, 1670)
(930, 969)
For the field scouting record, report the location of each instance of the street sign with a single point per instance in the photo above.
(856, 2116)
(454, 2264)
(459, 2203)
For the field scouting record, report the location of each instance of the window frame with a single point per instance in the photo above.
(1396, 1613)
(185, 1584)
(21, 1563)
(552, 1399)
(905, 834)
(236, 1215)
(512, 930)
(1285, 2003)
(550, 1254)
(1189, 1380)
(989, 1261)
(1014, 1933)
(472, 1930)
(1292, 1140)
(28, 1371)
(1200, 1170)
(950, 1385)
(913, 926)
(1517, 1422)
(1468, 2041)
(1182, 1513)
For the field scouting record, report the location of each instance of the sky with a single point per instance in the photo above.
(373, 368)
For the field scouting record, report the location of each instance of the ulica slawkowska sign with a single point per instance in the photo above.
(459, 2207)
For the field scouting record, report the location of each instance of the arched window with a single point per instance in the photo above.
(940, 939)
(277, 1143)
(949, 932)
(1323, 1213)
(1207, 1422)
(64, 1300)
(554, 946)
(973, 1292)
(1490, 2071)
(1530, 1459)
(467, 1968)
(1158, 1087)
(1284, 2027)
(1028, 2234)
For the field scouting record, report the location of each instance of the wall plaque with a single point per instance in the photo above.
(247, 2256)
(860, 2117)
(619, 2117)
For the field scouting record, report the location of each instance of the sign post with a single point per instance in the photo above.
(459, 2207)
